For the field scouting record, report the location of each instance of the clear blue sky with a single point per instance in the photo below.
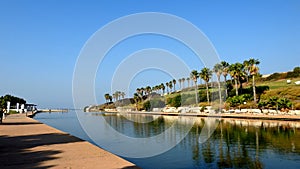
(40, 40)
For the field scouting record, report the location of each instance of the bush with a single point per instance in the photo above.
(153, 103)
(297, 106)
(13, 100)
(188, 99)
(238, 100)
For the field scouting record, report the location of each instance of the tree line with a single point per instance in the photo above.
(231, 90)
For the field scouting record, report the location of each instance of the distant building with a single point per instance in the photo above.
(30, 107)
(265, 76)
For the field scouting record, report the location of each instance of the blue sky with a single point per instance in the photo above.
(41, 40)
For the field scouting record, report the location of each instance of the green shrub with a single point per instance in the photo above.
(153, 103)
(238, 100)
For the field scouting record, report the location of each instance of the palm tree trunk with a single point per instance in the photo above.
(254, 91)
(196, 92)
(207, 95)
(236, 87)
(220, 94)
(226, 92)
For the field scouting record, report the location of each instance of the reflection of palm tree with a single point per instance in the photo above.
(206, 74)
(188, 80)
(196, 148)
(194, 75)
(207, 152)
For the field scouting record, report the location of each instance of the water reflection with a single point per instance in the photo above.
(234, 144)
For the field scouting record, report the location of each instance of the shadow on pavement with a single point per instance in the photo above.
(15, 151)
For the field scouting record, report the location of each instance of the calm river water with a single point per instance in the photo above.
(234, 143)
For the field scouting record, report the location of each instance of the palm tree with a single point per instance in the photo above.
(136, 98)
(122, 94)
(148, 90)
(183, 79)
(253, 71)
(139, 92)
(188, 80)
(115, 97)
(170, 86)
(167, 85)
(218, 69)
(247, 67)
(119, 95)
(194, 75)
(225, 67)
(206, 74)
(180, 80)
(106, 96)
(174, 82)
(162, 86)
(236, 71)
(142, 91)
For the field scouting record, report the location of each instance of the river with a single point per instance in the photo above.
(234, 143)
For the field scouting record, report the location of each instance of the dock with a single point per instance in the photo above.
(27, 143)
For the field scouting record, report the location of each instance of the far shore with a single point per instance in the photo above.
(292, 115)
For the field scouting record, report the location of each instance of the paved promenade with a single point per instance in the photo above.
(27, 143)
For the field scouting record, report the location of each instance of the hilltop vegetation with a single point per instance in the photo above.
(246, 88)
(12, 99)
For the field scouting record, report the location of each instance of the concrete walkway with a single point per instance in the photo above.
(27, 143)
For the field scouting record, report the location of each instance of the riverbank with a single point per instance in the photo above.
(240, 115)
(27, 143)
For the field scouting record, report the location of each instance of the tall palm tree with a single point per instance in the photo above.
(180, 80)
(167, 85)
(119, 95)
(188, 80)
(225, 67)
(183, 79)
(139, 91)
(194, 75)
(170, 86)
(162, 86)
(247, 67)
(236, 71)
(136, 98)
(174, 82)
(115, 97)
(254, 69)
(218, 69)
(148, 90)
(206, 74)
(142, 91)
(122, 94)
(106, 96)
